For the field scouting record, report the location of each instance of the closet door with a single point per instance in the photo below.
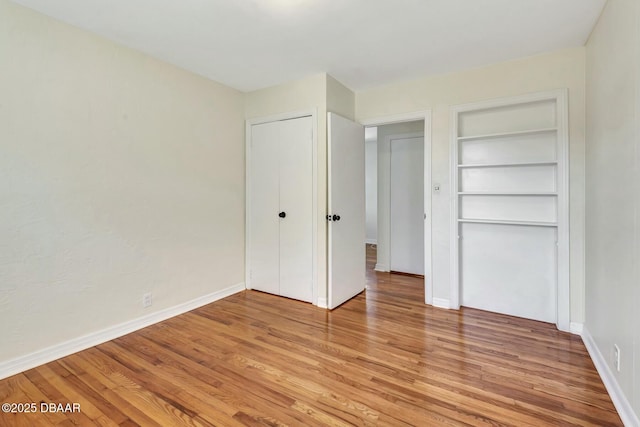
(280, 209)
(264, 222)
(296, 228)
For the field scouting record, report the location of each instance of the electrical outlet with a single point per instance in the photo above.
(616, 357)
(147, 300)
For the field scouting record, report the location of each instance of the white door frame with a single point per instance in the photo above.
(562, 114)
(410, 117)
(313, 113)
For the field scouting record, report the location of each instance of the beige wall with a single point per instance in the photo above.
(299, 95)
(561, 69)
(340, 99)
(119, 175)
(613, 191)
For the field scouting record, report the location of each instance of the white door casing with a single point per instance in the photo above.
(346, 209)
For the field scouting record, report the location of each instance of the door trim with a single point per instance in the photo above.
(409, 117)
(563, 289)
(313, 113)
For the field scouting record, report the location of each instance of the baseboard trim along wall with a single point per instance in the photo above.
(576, 328)
(40, 357)
(382, 268)
(323, 303)
(620, 401)
(441, 303)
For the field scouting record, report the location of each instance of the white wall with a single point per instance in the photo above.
(119, 175)
(613, 192)
(371, 189)
(561, 69)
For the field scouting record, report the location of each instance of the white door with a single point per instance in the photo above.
(407, 205)
(263, 221)
(296, 204)
(281, 208)
(346, 208)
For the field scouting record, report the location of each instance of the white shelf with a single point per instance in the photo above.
(509, 222)
(499, 165)
(506, 193)
(505, 134)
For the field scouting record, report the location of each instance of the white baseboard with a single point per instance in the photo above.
(620, 401)
(46, 355)
(323, 303)
(371, 241)
(576, 328)
(441, 303)
(381, 267)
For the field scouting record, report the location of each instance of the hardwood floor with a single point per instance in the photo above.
(383, 358)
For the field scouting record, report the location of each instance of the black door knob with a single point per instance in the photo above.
(336, 217)
(282, 214)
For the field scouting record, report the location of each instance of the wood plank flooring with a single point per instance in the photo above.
(383, 358)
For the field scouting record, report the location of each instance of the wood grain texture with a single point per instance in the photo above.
(383, 358)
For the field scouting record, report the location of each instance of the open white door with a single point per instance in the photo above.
(346, 210)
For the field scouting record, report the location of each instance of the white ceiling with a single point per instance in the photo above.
(251, 44)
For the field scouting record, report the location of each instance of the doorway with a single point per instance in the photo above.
(394, 138)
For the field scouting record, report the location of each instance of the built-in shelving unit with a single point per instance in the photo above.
(506, 193)
(508, 222)
(504, 152)
(503, 165)
(510, 213)
(505, 134)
